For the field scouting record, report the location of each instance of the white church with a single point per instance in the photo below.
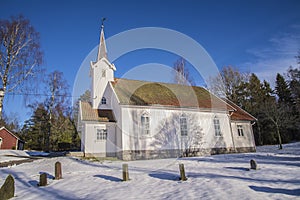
(132, 119)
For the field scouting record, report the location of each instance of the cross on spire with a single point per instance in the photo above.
(102, 22)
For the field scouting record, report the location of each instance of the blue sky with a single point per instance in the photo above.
(256, 36)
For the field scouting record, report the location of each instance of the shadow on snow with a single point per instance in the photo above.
(109, 178)
(293, 192)
(165, 176)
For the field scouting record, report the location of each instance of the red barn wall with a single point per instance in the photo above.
(8, 141)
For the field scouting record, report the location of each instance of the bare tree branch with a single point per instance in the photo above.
(20, 56)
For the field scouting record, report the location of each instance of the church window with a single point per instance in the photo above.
(240, 130)
(103, 73)
(103, 100)
(101, 134)
(183, 125)
(217, 127)
(145, 121)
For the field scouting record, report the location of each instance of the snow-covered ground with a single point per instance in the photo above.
(8, 155)
(14, 155)
(213, 177)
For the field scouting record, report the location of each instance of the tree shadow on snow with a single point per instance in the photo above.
(165, 176)
(109, 178)
(221, 176)
(238, 168)
(294, 192)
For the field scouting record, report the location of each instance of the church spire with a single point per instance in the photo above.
(102, 53)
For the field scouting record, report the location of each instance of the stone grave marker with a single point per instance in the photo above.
(7, 190)
(253, 164)
(43, 179)
(58, 171)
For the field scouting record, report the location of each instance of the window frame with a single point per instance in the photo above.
(101, 134)
(183, 122)
(217, 127)
(240, 130)
(145, 124)
(103, 74)
(103, 101)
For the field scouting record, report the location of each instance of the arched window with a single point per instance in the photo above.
(217, 127)
(183, 125)
(103, 100)
(145, 124)
(103, 73)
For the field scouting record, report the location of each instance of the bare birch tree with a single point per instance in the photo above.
(230, 82)
(182, 74)
(20, 57)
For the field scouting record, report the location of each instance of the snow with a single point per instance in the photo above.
(8, 155)
(13, 155)
(214, 177)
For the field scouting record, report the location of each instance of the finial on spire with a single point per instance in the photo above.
(102, 22)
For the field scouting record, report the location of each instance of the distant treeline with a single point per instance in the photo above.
(277, 109)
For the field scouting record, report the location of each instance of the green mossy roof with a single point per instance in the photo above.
(135, 92)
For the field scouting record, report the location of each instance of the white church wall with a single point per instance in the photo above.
(246, 139)
(94, 145)
(165, 129)
(83, 137)
(102, 73)
(115, 143)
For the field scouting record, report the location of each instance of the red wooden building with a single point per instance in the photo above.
(8, 140)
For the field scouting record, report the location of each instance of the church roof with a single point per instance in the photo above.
(240, 114)
(143, 93)
(100, 115)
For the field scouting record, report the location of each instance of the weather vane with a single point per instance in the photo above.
(102, 21)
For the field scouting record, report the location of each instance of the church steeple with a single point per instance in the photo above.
(102, 52)
(101, 71)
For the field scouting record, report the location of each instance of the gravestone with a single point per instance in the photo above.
(253, 164)
(58, 172)
(182, 172)
(7, 190)
(125, 172)
(43, 179)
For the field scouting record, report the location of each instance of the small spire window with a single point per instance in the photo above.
(103, 100)
(103, 73)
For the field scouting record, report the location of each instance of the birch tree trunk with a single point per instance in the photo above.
(20, 57)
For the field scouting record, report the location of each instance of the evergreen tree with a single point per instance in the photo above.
(283, 91)
(52, 123)
(294, 85)
(256, 96)
(34, 130)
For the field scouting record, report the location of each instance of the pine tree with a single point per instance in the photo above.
(283, 91)
(294, 85)
(34, 130)
(256, 96)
